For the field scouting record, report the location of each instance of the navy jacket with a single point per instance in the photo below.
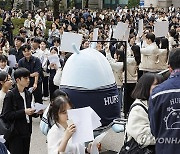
(164, 115)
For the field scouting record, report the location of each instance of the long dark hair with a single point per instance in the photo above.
(137, 53)
(143, 86)
(3, 77)
(165, 45)
(58, 105)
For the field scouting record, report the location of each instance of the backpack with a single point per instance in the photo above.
(46, 122)
(131, 146)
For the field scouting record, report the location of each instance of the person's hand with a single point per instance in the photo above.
(90, 145)
(51, 65)
(55, 67)
(29, 111)
(107, 48)
(35, 74)
(34, 86)
(69, 131)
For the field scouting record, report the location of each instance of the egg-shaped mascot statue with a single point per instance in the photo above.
(88, 80)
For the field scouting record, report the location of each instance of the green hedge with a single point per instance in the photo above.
(19, 22)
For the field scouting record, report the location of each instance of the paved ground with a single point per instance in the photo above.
(38, 140)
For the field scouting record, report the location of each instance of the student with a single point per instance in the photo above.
(149, 55)
(5, 84)
(164, 104)
(46, 122)
(52, 68)
(59, 136)
(33, 64)
(117, 67)
(44, 59)
(3, 65)
(17, 50)
(19, 141)
(138, 125)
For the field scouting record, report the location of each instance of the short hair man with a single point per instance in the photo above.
(17, 107)
(149, 55)
(33, 64)
(164, 109)
(17, 50)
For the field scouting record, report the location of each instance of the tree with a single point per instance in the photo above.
(45, 2)
(86, 4)
(56, 8)
(133, 3)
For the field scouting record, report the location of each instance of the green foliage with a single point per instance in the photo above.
(19, 22)
(72, 4)
(8, 5)
(48, 25)
(133, 3)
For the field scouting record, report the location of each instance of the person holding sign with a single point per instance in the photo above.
(52, 66)
(21, 115)
(59, 136)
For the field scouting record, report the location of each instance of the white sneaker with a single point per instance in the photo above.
(45, 98)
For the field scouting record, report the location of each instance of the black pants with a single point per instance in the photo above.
(45, 86)
(19, 145)
(129, 100)
(38, 93)
(52, 88)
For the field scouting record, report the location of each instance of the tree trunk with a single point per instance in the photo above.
(56, 8)
(45, 2)
(87, 2)
(12, 3)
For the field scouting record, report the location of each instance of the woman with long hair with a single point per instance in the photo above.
(138, 125)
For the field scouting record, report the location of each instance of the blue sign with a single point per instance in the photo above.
(141, 3)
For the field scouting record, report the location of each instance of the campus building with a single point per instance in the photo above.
(97, 4)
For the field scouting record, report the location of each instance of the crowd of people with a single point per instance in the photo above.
(31, 48)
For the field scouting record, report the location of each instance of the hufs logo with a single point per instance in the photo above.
(173, 119)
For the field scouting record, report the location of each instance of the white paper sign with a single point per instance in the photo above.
(2, 140)
(120, 30)
(12, 61)
(110, 33)
(83, 118)
(161, 28)
(54, 59)
(126, 36)
(38, 107)
(68, 39)
(96, 141)
(140, 28)
(95, 34)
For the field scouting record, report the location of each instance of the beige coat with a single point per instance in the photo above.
(117, 68)
(149, 58)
